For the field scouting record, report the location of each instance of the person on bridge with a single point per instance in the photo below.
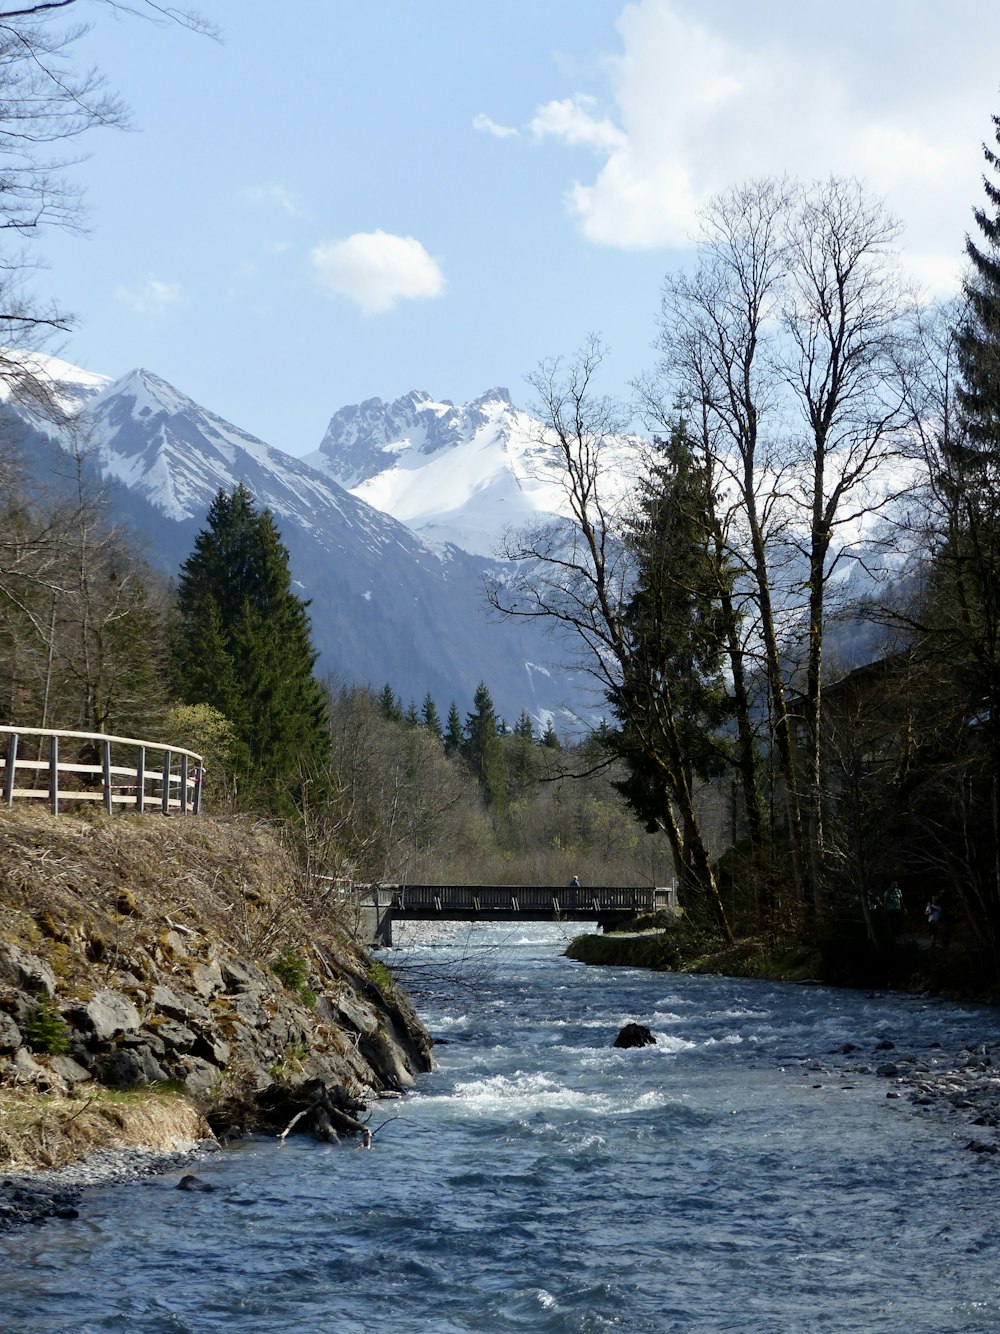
(575, 882)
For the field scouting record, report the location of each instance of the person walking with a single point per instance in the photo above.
(892, 902)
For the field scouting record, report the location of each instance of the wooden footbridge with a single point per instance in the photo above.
(608, 905)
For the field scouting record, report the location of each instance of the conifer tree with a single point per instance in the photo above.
(671, 702)
(429, 716)
(978, 338)
(549, 737)
(524, 728)
(389, 704)
(482, 747)
(242, 643)
(454, 736)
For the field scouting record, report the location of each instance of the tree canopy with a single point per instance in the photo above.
(242, 643)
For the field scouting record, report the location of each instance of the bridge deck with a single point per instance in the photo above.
(527, 902)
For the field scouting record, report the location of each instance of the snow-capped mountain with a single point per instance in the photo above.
(386, 605)
(464, 474)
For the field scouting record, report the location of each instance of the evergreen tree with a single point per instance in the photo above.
(964, 593)
(482, 747)
(411, 717)
(549, 737)
(242, 644)
(429, 716)
(454, 737)
(979, 333)
(524, 728)
(389, 704)
(671, 702)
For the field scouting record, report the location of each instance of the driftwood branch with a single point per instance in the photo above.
(330, 1112)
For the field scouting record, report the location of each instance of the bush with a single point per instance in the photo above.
(46, 1029)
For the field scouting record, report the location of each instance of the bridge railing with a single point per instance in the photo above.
(62, 768)
(524, 898)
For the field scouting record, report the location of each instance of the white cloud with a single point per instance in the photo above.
(377, 269)
(573, 121)
(487, 125)
(697, 109)
(152, 297)
(274, 194)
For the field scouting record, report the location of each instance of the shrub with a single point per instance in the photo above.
(46, 1029)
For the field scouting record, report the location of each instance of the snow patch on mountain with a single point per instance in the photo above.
(465, 474)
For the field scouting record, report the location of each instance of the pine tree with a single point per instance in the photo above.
(978, 338)
(390, 706)
(524, 728)
(412, 717)
(671, 703)
(429, 716)
(482, 747)
(242, 643)
(549, 737)
(454, 737)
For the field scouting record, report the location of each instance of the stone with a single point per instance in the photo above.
(887, 1070)
(244, 977)
(127, 1067)
(207, 979)
(108, 1013)
(27, 971)
(70, 1071)
(166, 1001)
(10, 1034)
(634, 1035)
(199, 1076)
(175, 1037)
(211, 1047)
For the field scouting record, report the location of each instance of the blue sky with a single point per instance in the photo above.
(344, 199)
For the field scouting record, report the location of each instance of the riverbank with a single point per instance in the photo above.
(956, 969)
(169, 982)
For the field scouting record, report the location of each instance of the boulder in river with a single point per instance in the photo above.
(634, 1035)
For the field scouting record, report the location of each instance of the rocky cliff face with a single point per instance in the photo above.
(143, 951)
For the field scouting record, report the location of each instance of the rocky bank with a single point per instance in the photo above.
(166, 982)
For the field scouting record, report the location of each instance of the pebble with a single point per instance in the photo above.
(38, 1196)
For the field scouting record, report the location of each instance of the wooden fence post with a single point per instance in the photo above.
(54, 775)
(184, 784)
(106, 773)
(165, 798)
(8, 778)
(140, 780)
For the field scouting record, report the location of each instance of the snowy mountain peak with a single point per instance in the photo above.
(363, 439)
(148, 395)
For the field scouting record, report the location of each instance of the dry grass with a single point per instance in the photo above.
(94, 893)
(47, 1132)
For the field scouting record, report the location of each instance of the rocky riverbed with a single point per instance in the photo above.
(961, 1089)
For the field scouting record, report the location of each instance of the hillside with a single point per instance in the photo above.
(187, 958)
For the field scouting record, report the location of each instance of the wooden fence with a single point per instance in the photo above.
(64, 768)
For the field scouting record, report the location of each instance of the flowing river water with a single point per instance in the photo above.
(740, 1175)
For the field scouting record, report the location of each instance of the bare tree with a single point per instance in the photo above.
(578, 574)
(786, 344)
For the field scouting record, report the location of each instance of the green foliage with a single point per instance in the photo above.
(242, 644)
(45, 1029)
(430, 718)
(482, 748)
(381, 976)
(203, 729)
(671, 703)
(453, 736)
(292, 968)
(389, 704)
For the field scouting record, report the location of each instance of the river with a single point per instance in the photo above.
(740, 1175)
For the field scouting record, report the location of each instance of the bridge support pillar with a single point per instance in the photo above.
(374, 924)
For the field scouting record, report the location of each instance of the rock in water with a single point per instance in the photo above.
(634, 1035)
